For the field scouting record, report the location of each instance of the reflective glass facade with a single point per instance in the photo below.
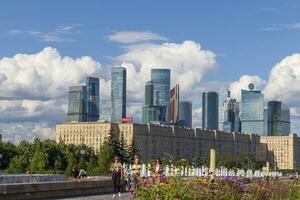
(210, 110)
(106, 110)
(185, 114)
(252, 112)
(161, 86)
(153, 114)
(77, 103)
(118, 94)
(149, 93)
(223, 95)
(93, 98)
(278, 119)
(231, 116)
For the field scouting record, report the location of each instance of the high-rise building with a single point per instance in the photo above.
(252, 111)
(278, 119)
(265, 121)
(210, 110)
(77, 100)
(149, 93)
(231, 118)
(154, 114)
(118, 93)
(174, 105)
(106, 110)
(93, 98)
(185, 114)
(223, 95)
(161, 86)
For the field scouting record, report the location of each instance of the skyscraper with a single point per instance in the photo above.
(210, 110)
(223, 94)
(118, 94)
(252, 111)
(93, 98)
(278, 119)
(161, 86)
(149, 93)
(152, 113)
(77, 103)
(231, 119)
(106, 110)
(174, 105)
(185, 114)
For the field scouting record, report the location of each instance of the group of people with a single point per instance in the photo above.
(130, 177)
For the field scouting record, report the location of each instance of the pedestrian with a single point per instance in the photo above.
(158, 167)
(126, 176)
(116, 169)
(136, 172)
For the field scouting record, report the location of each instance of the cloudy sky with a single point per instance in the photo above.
(46, 46)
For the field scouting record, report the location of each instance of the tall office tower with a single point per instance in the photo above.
(174, 105)
(149, 93)
(93, 98)
(77, 103)
(278, 119)
(161, 88)
(231, 116)
(185, 114)
(265, 121)
(252, 111)
(210, 110)
(223, 94)
(152, 113)
(118, 94)
(106, 110)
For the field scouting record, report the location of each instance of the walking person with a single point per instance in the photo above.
(126, 176)
(158, 167)
(116, 169)
(136, 172)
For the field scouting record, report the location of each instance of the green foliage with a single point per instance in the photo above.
(8, 151)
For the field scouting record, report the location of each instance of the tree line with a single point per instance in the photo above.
(60, 158)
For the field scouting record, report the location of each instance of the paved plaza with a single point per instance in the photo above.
(98, 197)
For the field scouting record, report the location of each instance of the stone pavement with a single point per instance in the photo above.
(125, 196)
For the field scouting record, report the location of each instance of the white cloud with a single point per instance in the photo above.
(129, 37)
(236, 87)
(44, 75)
(284, 80)
(197, 117)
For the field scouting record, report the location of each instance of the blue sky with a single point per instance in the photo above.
(232, 29)
(247, 38)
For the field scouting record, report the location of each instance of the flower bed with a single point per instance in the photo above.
(160, 187)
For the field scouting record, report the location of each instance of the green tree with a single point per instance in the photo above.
(7, 151)
(132, 150)
(39, 162)
(105, 157)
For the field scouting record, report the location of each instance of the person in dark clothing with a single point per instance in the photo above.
(117, 170)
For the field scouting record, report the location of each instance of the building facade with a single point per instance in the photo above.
(161, 80)
(106, 110)
(118, 94)
(283, 151)
(154, 114)
(278, 119)
(185, 114)
(158, 141)
(231, 114)
(210, 110)
(93, 98)
(174, 105)
(223, 95)
(77, 103)
(252, 112)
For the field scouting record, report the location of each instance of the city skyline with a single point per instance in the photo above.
(44, 54)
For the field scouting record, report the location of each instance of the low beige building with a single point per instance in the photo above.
(283, 151)
(158, 141)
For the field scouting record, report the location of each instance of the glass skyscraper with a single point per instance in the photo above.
(223, 94)
(106, 110)
(149, 93)
(210, 110)
(252, 112)
(93, 98)
(278, 119)
(77, 103)
(154, 114)
(231, 118)
(161, 88)
(185, 114)
(118, 94)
